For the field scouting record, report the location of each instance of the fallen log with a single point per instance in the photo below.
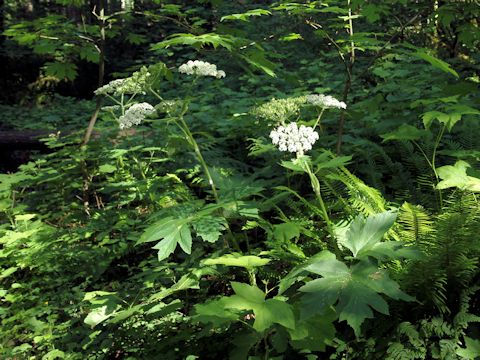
(23, 139)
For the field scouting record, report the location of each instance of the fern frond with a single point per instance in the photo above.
(415, 223)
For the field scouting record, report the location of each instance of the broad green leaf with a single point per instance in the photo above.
(286, 231)
(54, 354)
(62, 71)
(209, 227)
(404, 132)
(246, 261)
(267, 312)
(314, 333)
(163, 309)
(166, 247)
(452, 115)
(89, 53)
(185, 238)
(197, 41)
(257, 59)
(172, 232)
(471, 350)
(292, 165)
(107, 169)
(435, 62)
(297, 272)
(98, 315)
(354, 291)
(242, 343)
(245, 16)
(336, 162)
(363, 234)
(125, 314)
(7, 272)
(429, 116)
(456, 176)
(214, 312)
(187, 281)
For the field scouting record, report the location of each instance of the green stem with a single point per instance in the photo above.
(317, 190)
(200, 157)
(183, 126)
(318, 120)
(434, 157)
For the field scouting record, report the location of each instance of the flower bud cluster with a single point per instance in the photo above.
(171, 107)
(293, 138)
(201, 68)
(135, 114)
(325, 101)
(132, 85)
(279, 110)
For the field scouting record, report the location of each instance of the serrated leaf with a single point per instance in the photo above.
(246, 15)
(267, 312)
(404, 132)
(353, 291)
(363, 234)
(62, 71)
(257, 59)
(214, 312)
(172, 232)
(286, 231)
(456, 176)
(98, 315)
(197, 41)
(314, 333)
(209, 228)
(187, 281)
(435, 62)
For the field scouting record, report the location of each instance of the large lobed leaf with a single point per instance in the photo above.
(355, 290)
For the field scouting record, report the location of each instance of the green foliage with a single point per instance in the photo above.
(355, 288)
(256, 253)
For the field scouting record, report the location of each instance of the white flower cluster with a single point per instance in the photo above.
(135, 114)
(132, 85)
(201, 68)
(325, 101)
(293, 138)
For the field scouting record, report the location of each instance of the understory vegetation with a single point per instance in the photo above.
(240, 179)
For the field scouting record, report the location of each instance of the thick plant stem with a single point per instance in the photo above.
(434, 158)
(200, 157)
(316, 189)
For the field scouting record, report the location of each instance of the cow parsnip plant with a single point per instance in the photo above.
(268, 242)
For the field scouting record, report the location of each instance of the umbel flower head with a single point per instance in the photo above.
(279, 110)
(325, 101)
(134, 84)
(201, 68)
(135, 114)
(293, 138)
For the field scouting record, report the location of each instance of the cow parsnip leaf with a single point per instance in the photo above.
(404, 132)
(267, 312)
(456, 176)
(364, 233)
(354, 291)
